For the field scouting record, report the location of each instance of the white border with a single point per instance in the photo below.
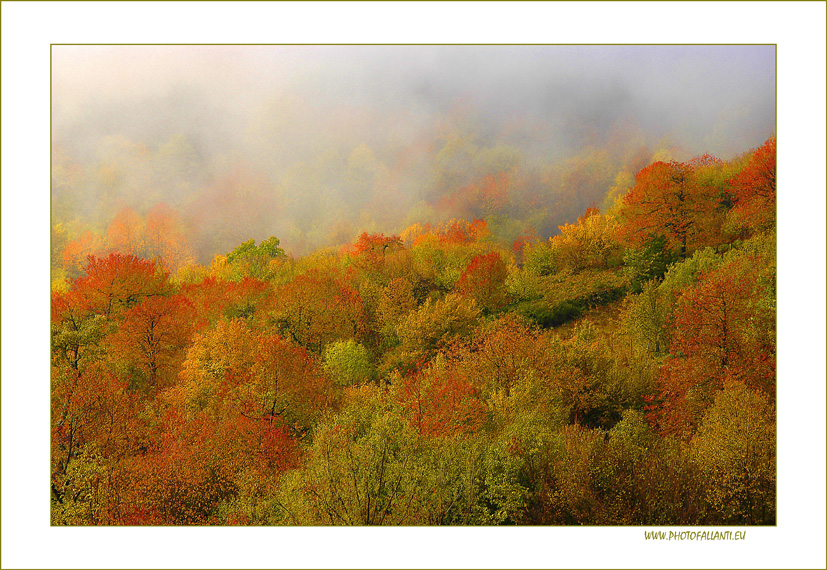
(29, 28)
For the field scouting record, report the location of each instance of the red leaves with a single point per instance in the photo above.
(657, 204)
(487, 196)
(484, 281)
(165, 237)
(77, 252)
(315, 309)
(687, 202)
(371, 249)
(198, 462)
(213, 297)
(590, 211)
(460, 231)
(126, 233)
(92, 407)
(441, 403)
(754, 189)
(723, 331)
(153, 335)
(288, 382)
(376, 244)
(117, 282)
(668, 200)
(522, 241)
(160, 236)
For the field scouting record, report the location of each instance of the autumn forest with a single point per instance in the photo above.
(372, 313)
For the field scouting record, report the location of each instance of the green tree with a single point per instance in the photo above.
(254, 260)
(735, 450)
(646, 262)
(347, 362)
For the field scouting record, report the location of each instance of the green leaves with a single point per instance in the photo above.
(251, 260)
(347, 362)
(649, 261)
(735, 451)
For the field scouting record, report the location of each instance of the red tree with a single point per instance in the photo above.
(438, 403)
(126, 233)
(316, 308)
(668, 201)
(484, 281)
(117, 282)
(754, 189)
(370, 250)
(165, 238)
(724, 330)
(214, 298)
(152, 337)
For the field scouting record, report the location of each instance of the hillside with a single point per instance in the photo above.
(619, 372)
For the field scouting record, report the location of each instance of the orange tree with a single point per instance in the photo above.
(668, 200)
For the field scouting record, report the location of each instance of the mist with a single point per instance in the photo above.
(314, 144)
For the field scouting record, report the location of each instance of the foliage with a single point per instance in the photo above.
(723, 332)
(754, 190)
(347, 362)
(587, 244)
(622, 372)
(152, 338)
(315, 309)
(735, 451)
(432, 327)
(650, 261)
(439, 403)
(251, 260)
(670, 200)
(540, 259)
(484, 281)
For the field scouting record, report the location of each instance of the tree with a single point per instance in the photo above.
(432, 327)
(735, 450)
(645, 321)
(666, 200)
(347, 363)
(75, 255)
(214, 298)
(439, 403)
(126, 233)
(117, 282)
(152, 337)
(485, 197)
(196, 464)
(648, 261)
(500, 355)
(95, 423)
(370, 250)
(76, 333)
(315, 309)
(484, 281)
(285, 383)
(166, 239)
(754, 190)
(251, 260)
(723, 332)
(397, 300)
(359, 469)
(227, 350)
(588, 243)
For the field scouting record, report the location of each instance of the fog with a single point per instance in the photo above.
(314, 144)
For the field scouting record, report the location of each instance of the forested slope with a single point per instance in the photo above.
(620, 372)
